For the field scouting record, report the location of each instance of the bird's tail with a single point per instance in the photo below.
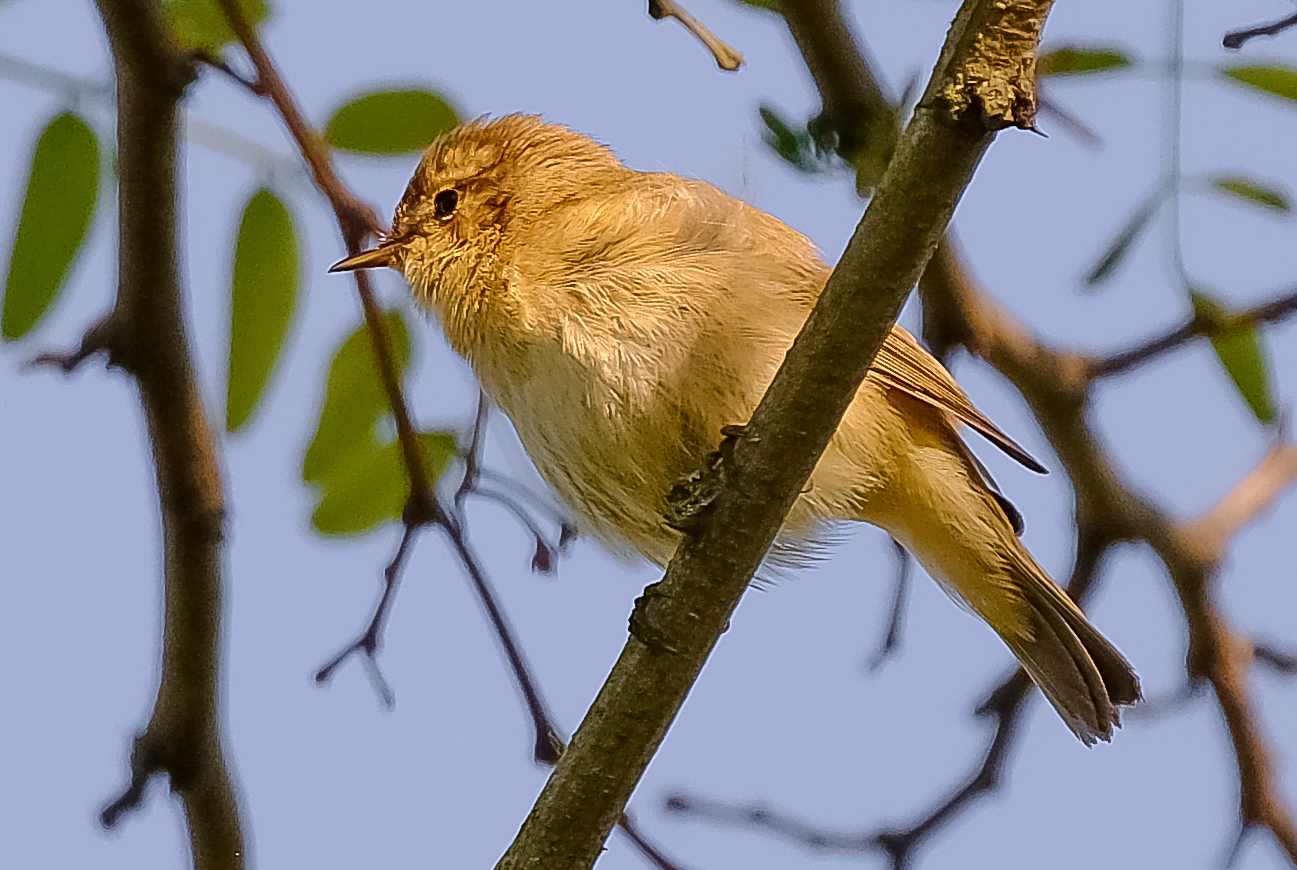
(964, 536)
(1084, 677)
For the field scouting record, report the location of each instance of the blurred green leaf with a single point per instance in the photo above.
(781, 138)
(1115, 254)
(1249, 190)
(375, 490)
(768, 5)
(62, 188)
(1075, 60)
(390, 122)
(1240, 350)
(1281, 81)
(810, 148)
(354, 401)
(202, 24)
(262, 300)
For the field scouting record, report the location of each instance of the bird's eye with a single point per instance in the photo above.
(444, 203)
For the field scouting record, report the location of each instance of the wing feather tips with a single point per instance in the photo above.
(903, 364)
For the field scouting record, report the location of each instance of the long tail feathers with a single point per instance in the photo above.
(1078, 670)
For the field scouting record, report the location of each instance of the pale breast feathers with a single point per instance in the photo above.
(677, 252)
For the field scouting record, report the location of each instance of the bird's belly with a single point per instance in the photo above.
(610, 460)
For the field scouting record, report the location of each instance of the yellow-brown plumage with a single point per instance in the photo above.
(621, 319)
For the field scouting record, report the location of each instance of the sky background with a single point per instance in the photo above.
(784, 713)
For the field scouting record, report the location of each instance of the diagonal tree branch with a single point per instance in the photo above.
(982, 83)
(145, 336)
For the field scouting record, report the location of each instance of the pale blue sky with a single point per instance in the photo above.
(783, 714)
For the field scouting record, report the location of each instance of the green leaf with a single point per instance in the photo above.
(1075, 60)
(781, 138)
(768, 5)
(390, 122)
(1249, 190)
(1115, 254)
(375, 490)
(1280, 81)
(262, 300)
(1240, 350)
(354, 401)
(202, 24)
(61, 192)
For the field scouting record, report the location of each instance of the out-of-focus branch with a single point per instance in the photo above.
(1269, 312)
(1054, 383)
(145, 336)
(855, 106)
(1281, 660)
(1250, 497)
(901, 581)
(726, 58)
(733, 510)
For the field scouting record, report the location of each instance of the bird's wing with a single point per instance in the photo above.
(904, 365)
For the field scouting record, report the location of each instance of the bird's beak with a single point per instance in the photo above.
(383, 255)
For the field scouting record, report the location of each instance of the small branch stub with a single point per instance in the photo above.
(996, 76)
(727, 58)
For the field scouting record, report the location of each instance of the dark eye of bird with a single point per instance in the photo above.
(444, 203)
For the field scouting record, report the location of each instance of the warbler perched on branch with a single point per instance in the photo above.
(622, 319)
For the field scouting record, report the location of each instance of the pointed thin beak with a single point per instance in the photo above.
(383, 255)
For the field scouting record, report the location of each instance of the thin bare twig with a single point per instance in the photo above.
(1076, 128)
(899, 845)
(1279, 660)
(891, 644)
(1236, 38)
(650, 850)
(727, 58)
(548, 745)
(1270, 312)
(544, 559)
(99, 338)
(372, 637)
(536, 501)
(473, 456)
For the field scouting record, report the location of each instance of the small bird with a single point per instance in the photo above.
(622, 319)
